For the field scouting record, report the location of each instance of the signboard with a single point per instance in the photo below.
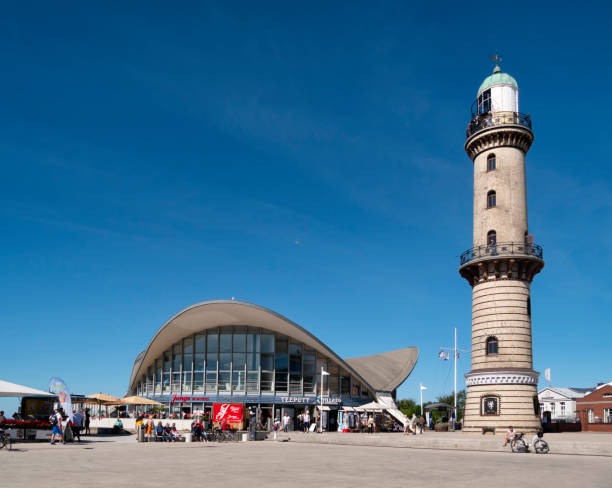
(232, 412)
(293, 399)
(185, 399)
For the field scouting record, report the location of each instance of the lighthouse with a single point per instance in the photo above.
(500, 266)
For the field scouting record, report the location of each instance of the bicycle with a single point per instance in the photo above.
(5, 439)
(540, 446)
(518, 444)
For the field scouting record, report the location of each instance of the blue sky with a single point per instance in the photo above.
(158, 155)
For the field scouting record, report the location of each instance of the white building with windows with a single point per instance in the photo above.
(560, 402)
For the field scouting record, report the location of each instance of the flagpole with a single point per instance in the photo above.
(321, 406)
(421, 392)
(455, 352)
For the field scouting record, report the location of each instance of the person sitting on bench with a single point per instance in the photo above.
(118, 426)
(159, 432)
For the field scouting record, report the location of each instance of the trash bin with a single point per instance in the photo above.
(141, 431)
(188, 437)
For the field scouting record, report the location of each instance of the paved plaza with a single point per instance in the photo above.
(120, 462)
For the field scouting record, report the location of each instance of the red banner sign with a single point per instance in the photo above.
(233, 413)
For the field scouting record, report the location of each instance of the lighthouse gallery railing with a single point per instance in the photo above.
(501, 249)
(492, 119)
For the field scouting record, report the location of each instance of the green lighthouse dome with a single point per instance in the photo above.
(497, 78)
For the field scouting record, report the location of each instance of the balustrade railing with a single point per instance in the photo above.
(501, 249)
(492, 119)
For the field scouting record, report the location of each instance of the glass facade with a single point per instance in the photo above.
(243, 361)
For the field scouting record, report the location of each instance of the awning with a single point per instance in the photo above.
(370, 407)
(14, 390)
(348, 409)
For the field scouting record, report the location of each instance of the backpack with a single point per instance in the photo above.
(53, 420)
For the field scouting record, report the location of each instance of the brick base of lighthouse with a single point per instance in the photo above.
(502, 386)
(515, 408)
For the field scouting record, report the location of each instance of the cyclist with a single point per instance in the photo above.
(509, 437)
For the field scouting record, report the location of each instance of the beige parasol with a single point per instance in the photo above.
(105, 399)
(136, 400)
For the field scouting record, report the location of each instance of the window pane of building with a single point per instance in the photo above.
(211, 362)
(334, 387)
(252, 381)
(267, 361)
(212, 343)
(252, 361)
(239, 342)
(225, 360)
(281, 345)
(281, 362)
(224, 381)
(267, 343)
(309, 383)
(177, 357)
(345, 384)
(281, 383)
(239, 361)
(176, 382)
(200, 343)
(187, 362)
(186, 382)
(211, 381)
(252, 342)
(198, 364)
(198, 382)
(295, 384)
(188, 345)
(267, 382)
(167, 361)
(238, 381)
(295, 359)
(225, 342)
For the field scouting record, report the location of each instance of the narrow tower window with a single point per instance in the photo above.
(491, 238)
(491, 200)
(491, 345)
(490, 162)
(529, 306)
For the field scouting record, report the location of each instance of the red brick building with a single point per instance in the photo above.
(595, 409)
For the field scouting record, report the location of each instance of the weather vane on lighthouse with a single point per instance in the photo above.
(496, 58)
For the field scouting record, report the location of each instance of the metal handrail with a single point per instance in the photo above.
(492, 119)
(501, 249)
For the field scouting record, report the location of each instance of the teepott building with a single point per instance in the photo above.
(227, 351)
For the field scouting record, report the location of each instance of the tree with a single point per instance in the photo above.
(409, 407)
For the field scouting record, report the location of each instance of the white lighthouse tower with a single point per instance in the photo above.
(501, 386)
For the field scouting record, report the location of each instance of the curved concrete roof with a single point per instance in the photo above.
(219, 313)
(386, 371)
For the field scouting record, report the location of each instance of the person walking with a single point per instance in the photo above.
(371, 424)
(87, 419)
(56, 427)
(275, 427)
(413, 423)
(306, 421)
(421, 424)
(286, 420)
